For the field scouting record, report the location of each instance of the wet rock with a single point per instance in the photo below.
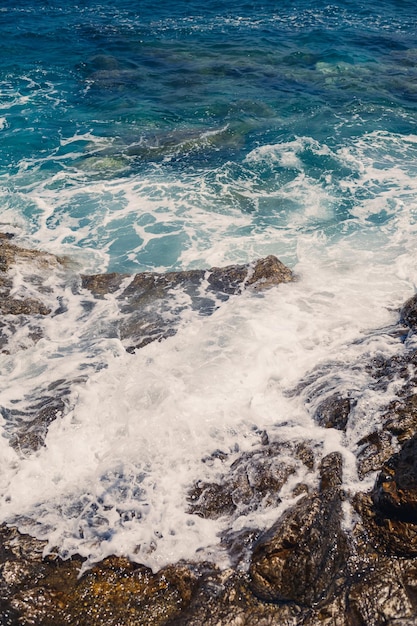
(225, 599)
(381, 597)
(210, 500)
(26, 428)
(408, 314)
(390, 536)
(151, 304)
(400, 419)
(333, 412)
(299, 559)
(262, 274)
(389, 512)
(102, 284)
(28, 306)
(116, 592)
(373, 450)
(48, 592)
(11, 255)
(254, 479)
(381, 584)
(305, 570)
(395, 492)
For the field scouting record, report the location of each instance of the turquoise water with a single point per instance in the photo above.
(126, 126)
(157, 136)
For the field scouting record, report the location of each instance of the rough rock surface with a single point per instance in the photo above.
(395, 492)
(333, 412)
(255, 477)
(301, 557)
(12, 255)
(145, 299)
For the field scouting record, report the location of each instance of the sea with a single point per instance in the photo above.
(140, 136)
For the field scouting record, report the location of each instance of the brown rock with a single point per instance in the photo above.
(401, 416)
(333, 412)
(255, 477)
(389, 534)
(373, 451)
(47, 592)
(395, 492)
(10, 254)
(381, 597)
(36, 261)
(225, 599)
(300, 557)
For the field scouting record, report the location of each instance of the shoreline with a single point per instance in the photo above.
(307, 568)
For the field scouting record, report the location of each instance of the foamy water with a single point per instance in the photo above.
(114, 474)
(154, 146)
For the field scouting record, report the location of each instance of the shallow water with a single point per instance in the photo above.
(160, 138)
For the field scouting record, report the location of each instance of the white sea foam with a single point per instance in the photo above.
(115, 470)
(114, 474)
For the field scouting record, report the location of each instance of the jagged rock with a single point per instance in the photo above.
(300, 557)
(117, 592)
(28, 306)
(408, 314)
(395, 491)
(11, 255)
(227, 280)
(333, 412)
(305, 570)
(225, 599)
(47, 592)
(373, 450)
(381, 596)
(26, 429)
(389, 512)
(255, 477)
(399, 418)
(390, 536)
(151, 303)
(148, 303)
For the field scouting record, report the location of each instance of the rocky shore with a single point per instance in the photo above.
(308, 568)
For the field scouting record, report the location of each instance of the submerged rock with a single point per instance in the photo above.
(151, 304)
(34, 261)
(27, 428)
(48, 592)
(253, 480)
(408, 314)
(334, 412)
(143, 299)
